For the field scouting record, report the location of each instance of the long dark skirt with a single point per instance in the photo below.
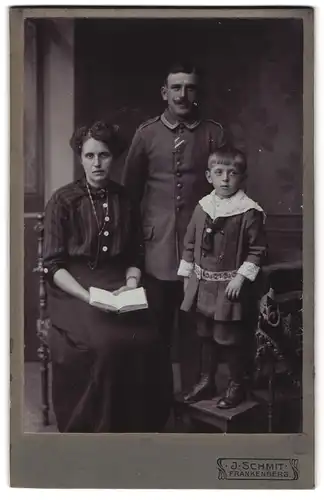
(110, 371)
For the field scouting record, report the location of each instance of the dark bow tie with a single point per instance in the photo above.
(211, 229)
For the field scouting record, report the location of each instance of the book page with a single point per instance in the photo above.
(134, 297)
(100, 296)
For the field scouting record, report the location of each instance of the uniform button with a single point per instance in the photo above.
(208, 230)
(104, 249)
(204, 254)
(178, 162)
(179, 185)
(106, 233)
(107, 218)
(178, 197)
(105, 205)
(179, 174)
(45, 270)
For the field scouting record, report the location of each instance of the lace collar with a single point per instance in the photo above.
(239, 203)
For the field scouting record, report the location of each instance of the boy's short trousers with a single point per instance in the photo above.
(223, 332)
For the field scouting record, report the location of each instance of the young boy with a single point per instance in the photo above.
(223, 249)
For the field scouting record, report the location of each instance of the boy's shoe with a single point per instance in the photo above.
(235, 394)
(204, 389)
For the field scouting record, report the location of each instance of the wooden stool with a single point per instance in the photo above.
(247, 417)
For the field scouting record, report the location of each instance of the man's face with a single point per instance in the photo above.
(180, 92)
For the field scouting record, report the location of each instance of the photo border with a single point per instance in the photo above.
(151, 460)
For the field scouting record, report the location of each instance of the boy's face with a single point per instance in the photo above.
(226, 179)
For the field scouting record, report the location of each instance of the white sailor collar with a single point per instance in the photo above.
(237, 204)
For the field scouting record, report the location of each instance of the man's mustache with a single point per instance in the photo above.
(181, 101)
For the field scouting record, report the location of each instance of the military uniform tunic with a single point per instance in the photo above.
(165, 170)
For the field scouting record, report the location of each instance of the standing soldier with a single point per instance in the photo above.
(165, 171)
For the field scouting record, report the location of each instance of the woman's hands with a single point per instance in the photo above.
(234, 287)
(124, 288)
(131, 284)
(66, 282)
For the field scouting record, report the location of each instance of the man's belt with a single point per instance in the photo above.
(203, 274)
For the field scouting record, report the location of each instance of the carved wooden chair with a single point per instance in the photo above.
(43, 323)
(279, 338)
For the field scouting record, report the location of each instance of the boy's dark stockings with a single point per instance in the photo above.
(236, 357)
(205, 388)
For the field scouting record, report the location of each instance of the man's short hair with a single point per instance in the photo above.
(182, 67)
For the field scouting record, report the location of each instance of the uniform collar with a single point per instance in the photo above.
(172, 123)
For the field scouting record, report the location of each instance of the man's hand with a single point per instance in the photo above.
(233, 289)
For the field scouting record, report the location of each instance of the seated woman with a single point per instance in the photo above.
(110, 372)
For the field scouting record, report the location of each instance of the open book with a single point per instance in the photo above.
(132, 300)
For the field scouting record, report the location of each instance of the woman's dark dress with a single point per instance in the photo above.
(110, 371)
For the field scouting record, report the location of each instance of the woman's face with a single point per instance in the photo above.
(96, 160)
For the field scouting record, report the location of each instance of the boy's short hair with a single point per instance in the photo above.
(228, 154)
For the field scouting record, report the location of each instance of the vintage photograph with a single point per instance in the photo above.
(162, 241)
(163, 225)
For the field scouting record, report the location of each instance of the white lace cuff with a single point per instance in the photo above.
(185, 268)
(249, 270)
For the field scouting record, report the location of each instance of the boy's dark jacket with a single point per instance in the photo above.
(240, 238)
